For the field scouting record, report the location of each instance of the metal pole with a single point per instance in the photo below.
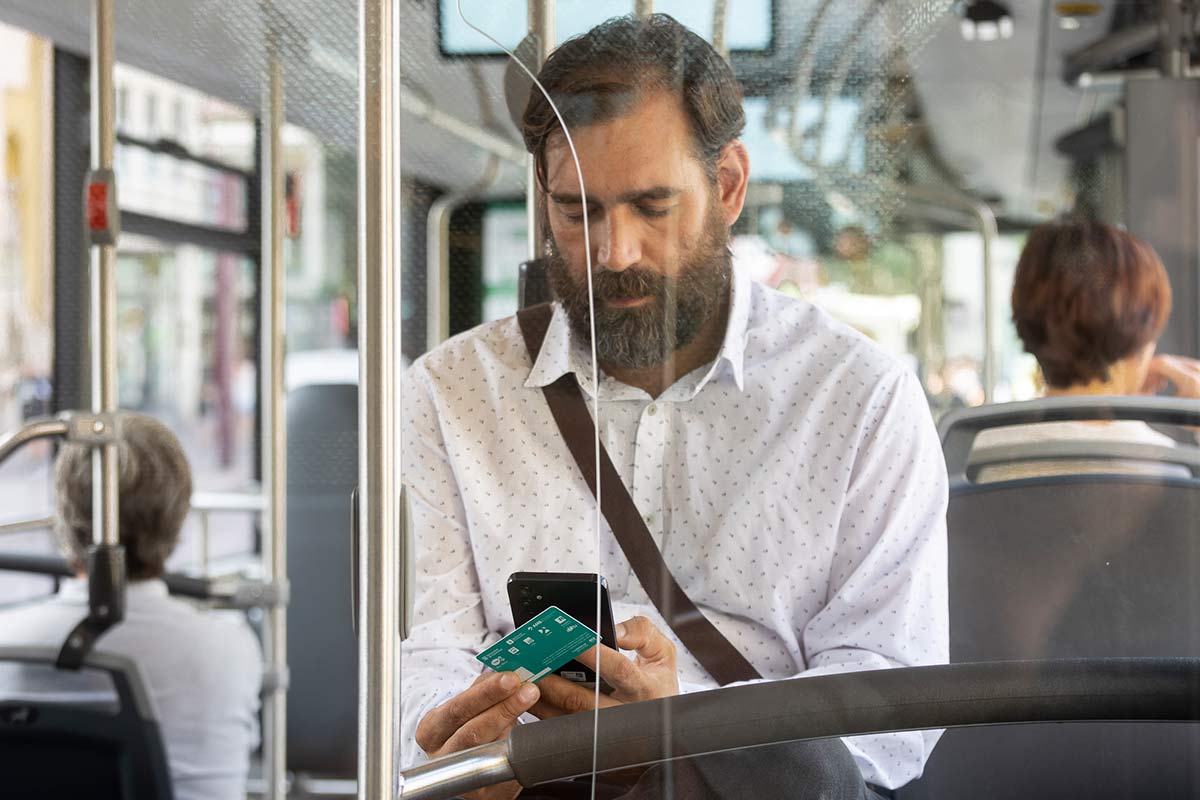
(988, 232)
(718, 36)
(1173, 46)
(437, 259)
(643, 8)
(378, 351)
(105, 465)
(274, 451)
(543, 26)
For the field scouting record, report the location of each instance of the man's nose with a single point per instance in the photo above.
(619, 247)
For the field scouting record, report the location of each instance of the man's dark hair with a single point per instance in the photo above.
(600, 75)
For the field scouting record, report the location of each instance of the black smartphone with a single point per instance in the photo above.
(531, 593)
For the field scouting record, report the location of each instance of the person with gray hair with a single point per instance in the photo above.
(204, 669)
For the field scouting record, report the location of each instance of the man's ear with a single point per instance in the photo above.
(733, 177)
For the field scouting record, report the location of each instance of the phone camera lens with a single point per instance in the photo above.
(525, 590)
(539, 597)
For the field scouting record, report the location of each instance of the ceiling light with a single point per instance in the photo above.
(986, 21)
(1069, 23)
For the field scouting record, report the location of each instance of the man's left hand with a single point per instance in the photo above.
(652, 675)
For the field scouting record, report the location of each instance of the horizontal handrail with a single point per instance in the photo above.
(228, 501)
(223, 592)
(202, 502)
(38, 428)
(26, 524)
(1084, 450)
(960, 428)
(820, 707)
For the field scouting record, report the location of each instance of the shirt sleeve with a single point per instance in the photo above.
(887, 602)
(448, 624)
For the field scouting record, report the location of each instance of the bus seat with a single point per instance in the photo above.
(533, 283)
(89, 734)
(322, 469)
(1183, 461)
(1070, 566)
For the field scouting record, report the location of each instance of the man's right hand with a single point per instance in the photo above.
(484, 713)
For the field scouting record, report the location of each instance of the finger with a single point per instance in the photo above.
(1183, 362)
(1184, 375)
(620, 673)
(494, 723)
(439, 725)
(1168, 367)
(643, 636)
(544, 709)
(571, 698)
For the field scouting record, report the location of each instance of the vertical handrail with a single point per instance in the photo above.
(643, 8)
(378, 298)
(105, 464)
(274, 451)
(543, 26)
(720, 15)
(988, 231)
(437, 258)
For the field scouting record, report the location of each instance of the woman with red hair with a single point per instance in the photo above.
(1089, 303)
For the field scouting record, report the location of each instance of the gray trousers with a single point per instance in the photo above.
(819, 770)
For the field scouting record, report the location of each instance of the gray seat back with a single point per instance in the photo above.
(89, 734)
(322, 651)
(1069, 567)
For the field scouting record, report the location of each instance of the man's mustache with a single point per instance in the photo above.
(630, 282)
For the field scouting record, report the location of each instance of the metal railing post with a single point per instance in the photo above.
(105, 464)
(378, 352)
(274, 450)
(543, 26)
(643, 8)
(437, 259)
(988, 231)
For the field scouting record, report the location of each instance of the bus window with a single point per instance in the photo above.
(26, 290)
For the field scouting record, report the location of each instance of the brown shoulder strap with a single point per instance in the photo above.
(714, 652)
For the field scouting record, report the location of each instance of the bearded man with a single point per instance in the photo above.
(787, 469)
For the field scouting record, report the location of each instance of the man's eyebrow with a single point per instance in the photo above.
(653, 193)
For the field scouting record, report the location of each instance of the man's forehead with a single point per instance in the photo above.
(651, 146)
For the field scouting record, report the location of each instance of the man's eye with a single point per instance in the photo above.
(575, 215)
(653, 213)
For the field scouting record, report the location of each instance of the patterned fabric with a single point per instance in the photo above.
(795, 485)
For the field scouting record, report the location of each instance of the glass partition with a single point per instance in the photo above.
(877, 322)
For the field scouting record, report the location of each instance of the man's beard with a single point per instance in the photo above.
(646, 335)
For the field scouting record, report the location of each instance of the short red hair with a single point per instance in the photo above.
(1087, 295)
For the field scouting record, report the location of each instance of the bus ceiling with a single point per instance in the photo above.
(458, 117)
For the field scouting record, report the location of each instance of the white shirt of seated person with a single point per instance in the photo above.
(203, 669)
(795, 485)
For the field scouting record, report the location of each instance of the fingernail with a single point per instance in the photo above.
(528, 693)
(621, 631)
(508, 681)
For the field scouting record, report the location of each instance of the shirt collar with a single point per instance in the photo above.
(563, 353)
(76, 589)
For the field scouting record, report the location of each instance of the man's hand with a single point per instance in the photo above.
(652, 675)
(1184, 373)
(484, 713)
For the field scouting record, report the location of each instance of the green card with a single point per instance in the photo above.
(540, 646)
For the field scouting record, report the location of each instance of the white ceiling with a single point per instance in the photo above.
(994, 117)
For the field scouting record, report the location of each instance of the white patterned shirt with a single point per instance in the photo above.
(795, 486)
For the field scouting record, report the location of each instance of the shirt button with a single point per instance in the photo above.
(652, 410)
(649, 519)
